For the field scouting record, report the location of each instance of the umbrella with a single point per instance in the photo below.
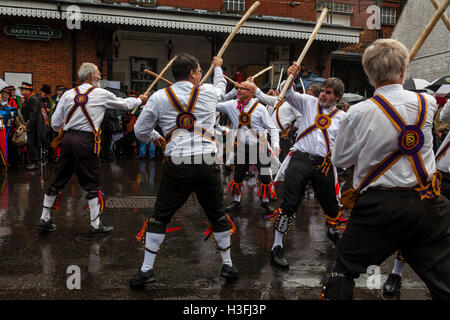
(414, 84)
(352, 97)
(2, 84)
(436, 84)
(444, 89)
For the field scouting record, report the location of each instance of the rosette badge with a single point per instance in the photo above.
(81, 99)
(411, 140)
(244, 119)
(186, 120)
(323, 121)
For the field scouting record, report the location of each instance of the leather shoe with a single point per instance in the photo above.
(233, 206)
(392, 284)
(277, 257)
(48, 226)
(101, 230)
(267, 207)
(141, 278)
(229, 273)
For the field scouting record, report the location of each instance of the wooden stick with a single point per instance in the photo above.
(230, 80)
(156, 80)
(156, 75)
(288, 83)
(230, 38)
(303, 86)
(271, 78)
(261, 72)
(279, 79)
(444, 15)
(428, 29)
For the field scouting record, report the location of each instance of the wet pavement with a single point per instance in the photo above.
(35, 266)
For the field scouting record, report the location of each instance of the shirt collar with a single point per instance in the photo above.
(389, 88)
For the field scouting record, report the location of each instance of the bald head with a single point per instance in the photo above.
(246, 91)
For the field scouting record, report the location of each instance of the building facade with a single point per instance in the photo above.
(46, 41)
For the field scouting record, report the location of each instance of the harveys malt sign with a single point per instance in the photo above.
(32, 32)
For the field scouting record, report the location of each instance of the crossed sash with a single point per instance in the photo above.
(186, 119)
(245, 118)
(443, 151)
(284, 131)
(410, 141)
(80, 101)
(322, 122)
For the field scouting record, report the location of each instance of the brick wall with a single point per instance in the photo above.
(50, 62)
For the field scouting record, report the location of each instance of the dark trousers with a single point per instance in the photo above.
(383, 221)
(285, 146)
(34, 145)
(240, 169)
(300, 171)
(445, 185)
(77, 156)
(177, 183)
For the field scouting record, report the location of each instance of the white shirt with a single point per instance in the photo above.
(260, 120)
(313, 143)
(366, 136)
(444, 163)
(159, 111)
(98, 101)
(286, 113)
(230, 95)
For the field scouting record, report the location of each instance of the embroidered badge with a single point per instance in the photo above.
(411, 140)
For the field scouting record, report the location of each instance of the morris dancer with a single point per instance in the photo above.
(394, 280)
(251, 119)
(185, 112)
(389, 140)
(310, 161)
(80, 112)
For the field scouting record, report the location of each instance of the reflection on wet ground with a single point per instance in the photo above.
(36, 266)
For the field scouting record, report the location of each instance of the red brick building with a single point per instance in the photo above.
(44, 44)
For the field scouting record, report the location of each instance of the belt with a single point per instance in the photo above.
(79, 132)
(391, 189)
(309, 156)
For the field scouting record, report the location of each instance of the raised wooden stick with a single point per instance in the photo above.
(156, 75)
(230, 38)
(230, 80)
(303, 86)
(428, 29)
(271, 78)
(261, 72)
(322, 18)
(279, 79)
(444, 15)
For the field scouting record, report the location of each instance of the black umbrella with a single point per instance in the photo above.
(117, 92)
(436, 84)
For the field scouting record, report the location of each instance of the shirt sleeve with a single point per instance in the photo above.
(273, 130)
(146, 123)
(297, 100)
(58, 115)
(230, 95)
(220, 84)
(113, 102)
(445, 112)
(264, 98)
(345, 150)
(223, 106)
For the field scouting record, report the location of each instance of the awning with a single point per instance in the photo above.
(176, 18)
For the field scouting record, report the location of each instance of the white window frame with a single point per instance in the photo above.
(234, 5)
(388, 15)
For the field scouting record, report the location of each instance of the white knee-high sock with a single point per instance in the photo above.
(153, 242)
(48, 202)
(224, 240)
(237, 197)
(278, 241)
(94, 209)
(398, 267)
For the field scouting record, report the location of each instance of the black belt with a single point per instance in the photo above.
(310, 157)
(80, 133)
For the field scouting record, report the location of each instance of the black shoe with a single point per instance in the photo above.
(267, 207)
(141, 278)
(229, 273)
(48, 226)
(32, 166)
(392, 284)
(233, 206)
(334, 237)
(101, 230)
(277, 257)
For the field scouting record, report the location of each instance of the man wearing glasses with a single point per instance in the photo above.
(250, 121)
(310, 160)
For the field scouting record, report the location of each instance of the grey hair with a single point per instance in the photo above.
(385, 60)
(85, 71)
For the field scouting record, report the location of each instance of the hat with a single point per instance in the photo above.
(11, 88)
(46, 89)
(5, 89)
(26, 85)
(60, 87)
